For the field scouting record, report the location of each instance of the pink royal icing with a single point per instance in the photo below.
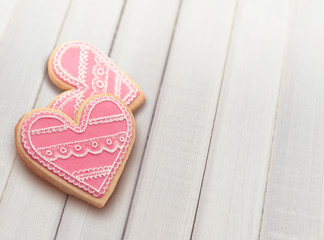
(90, 72)
(86, 155)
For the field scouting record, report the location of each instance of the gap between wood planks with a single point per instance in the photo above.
(38, 92)
(154, 109)
(284, 57)
(2, 33)
(287, 37)
(156, 99)
(44, 77)
(109, 53)
(161, 82)
(216, 111)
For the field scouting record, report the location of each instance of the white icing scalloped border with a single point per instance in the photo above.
(25, 138)
(81, 87)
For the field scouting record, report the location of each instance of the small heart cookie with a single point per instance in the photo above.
(85, 156)
(86, 71)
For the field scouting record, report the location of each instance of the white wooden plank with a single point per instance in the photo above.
(294, 199)
(23, 54)
(41, 203)
(166, 196)
(232, 194)
(91, 21)
(6, 9)
(140, 49)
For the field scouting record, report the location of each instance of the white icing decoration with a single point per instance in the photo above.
(26, 134)
(100, 84)
(77, 147)
(102, 62)
(63, 150)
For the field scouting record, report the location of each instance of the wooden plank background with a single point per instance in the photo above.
(230, 142)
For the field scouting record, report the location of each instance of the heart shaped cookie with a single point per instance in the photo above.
(86, 71)
(85, 156)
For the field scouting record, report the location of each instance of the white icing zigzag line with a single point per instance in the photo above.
(82, 141)
(103, 59)
(82, 148)
(83, 63)
(82, 71)
(66, 175)
(59, 128)
(112, 118)
(93, 121)
(91, 173)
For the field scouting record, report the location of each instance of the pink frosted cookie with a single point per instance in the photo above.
(86, 71)
(85, 156)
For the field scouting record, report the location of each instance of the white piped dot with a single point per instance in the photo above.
(101, 59)
(94, 144)
(109, 142)
(122, 139)
(49, 153)
(63, 150)
(77, 147)
(100, 84)
(100, 71)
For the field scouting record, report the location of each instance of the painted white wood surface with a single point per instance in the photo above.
(22, 64)
(140, 49)
(240, 91)
(6, 9)
(169, 183)
(232, 194)
(41, 202)
(294, 199)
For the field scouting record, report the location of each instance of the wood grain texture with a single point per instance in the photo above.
(140, 49)
(229, 142)
(23, 55)
(22, 64)
(6, 9)
(169, 182)
(294, 199)
(40, 202)
(232, 195)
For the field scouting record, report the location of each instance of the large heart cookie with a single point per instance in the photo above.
(86, 71)
(83, 157)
